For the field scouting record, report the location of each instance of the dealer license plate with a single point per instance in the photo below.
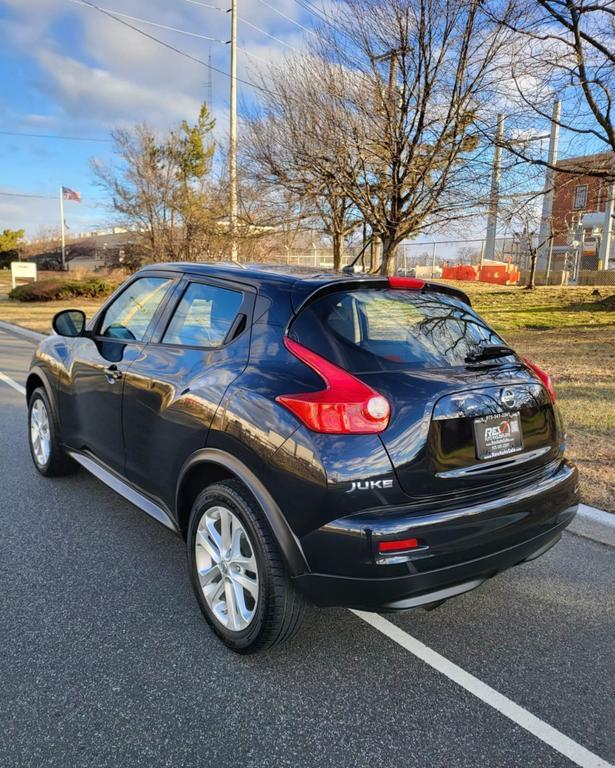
(497, 436)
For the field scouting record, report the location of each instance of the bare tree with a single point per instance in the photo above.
(566, 51)
(408, 82)
(524, 217)
(163, 188)
(285, 141)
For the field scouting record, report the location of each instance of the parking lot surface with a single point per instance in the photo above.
(105, 659)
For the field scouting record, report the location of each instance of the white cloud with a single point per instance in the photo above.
(108, 98)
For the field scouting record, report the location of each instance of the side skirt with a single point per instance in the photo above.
(120, 486)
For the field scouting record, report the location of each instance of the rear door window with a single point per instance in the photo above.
(203, 316)
(386, 329)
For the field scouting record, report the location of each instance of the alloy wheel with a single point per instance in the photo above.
(226, 568)
(40, 432)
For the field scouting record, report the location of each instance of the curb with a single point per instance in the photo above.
(594, 524)
(33, 336)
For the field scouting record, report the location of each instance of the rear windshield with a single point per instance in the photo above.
(367, 330)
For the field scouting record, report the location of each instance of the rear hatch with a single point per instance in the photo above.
(463, 426)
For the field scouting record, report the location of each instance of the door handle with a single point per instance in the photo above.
(113, 373)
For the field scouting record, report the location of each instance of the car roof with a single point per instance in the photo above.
(258, 273)
(299, 282)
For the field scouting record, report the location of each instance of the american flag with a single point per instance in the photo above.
(70, 194)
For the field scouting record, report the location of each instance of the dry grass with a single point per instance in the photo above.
(568, 331)
(582, 364)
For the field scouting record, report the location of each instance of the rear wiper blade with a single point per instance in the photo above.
(488, 351)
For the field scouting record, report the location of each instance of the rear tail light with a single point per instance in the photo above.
(410, 283)
(543, 376)
(346, 406)
(399, 545)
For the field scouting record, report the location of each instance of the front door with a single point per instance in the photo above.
(90, 400)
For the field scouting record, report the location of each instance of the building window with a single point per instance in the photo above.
(580, 196)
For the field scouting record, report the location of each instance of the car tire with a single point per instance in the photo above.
(43, 438)
(270, 610)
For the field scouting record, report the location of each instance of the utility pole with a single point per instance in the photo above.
(545, 237)
(233, 134)
(492, 216)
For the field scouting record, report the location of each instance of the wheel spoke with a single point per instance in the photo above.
(245, 582)
(226, 522)
(232, 610)
(208, 545)
(207, 575)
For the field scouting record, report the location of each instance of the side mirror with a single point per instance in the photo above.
(69, 322)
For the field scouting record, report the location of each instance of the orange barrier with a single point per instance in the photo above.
(499, 274)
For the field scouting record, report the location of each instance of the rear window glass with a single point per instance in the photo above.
(366, 330)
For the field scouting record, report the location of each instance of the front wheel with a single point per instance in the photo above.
(237, 573)
(47, 453)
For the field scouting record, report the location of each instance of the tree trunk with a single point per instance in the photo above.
(389, 256)
(531, 283)
(338, 251)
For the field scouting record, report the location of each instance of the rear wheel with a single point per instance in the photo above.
(47, 454)
(237, 572)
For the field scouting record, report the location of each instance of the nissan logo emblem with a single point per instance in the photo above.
(508, 398)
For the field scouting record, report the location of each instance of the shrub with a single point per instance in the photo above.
(57, 288)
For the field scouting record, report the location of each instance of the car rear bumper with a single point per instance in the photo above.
(463, 547)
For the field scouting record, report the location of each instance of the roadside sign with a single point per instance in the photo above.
(22, 270)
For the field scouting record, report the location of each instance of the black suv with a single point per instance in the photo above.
(350, 440)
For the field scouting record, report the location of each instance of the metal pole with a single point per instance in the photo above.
(63, 258)
(492, 217)
(605, 240)
(545, 236)
(433, 261)
(482, 254)
(233, 133)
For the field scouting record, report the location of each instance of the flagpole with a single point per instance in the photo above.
(62, 229)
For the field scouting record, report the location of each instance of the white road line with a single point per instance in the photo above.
(11, 383)
(545, 732)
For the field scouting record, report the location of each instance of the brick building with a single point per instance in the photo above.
(576, 195)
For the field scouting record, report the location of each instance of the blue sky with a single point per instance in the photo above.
(69, 70)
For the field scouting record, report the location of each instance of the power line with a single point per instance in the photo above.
(160, 26)
(207, 5)
(288, 18)
(314, 11)
(52, 136)
(244, 21)
(264, 32)
(22, 194)
(165, 44)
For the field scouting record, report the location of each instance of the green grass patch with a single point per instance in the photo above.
(509, 308)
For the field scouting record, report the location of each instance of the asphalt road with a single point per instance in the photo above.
(105, 659)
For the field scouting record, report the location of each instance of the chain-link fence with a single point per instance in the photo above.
(557, 265)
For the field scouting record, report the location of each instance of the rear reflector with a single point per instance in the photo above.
(346, 406)
(409, 283)
(400, 545)
(543, 376)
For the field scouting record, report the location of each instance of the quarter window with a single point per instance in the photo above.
(131, 313)
(580, 196)
(203, 316)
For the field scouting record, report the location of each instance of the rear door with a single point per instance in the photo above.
(457, 428)
(178, 379)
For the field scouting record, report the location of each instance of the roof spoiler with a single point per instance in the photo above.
(369, 281)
